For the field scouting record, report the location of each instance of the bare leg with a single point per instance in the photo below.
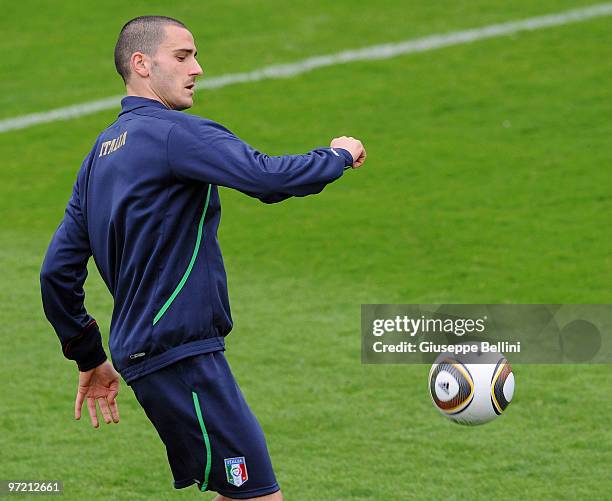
(277, 496)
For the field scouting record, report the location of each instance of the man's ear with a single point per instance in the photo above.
(140, 64)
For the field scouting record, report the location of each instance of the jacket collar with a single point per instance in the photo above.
(130, 103)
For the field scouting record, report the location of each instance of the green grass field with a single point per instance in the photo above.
(487, 181)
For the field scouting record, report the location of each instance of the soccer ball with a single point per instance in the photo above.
(471, 389)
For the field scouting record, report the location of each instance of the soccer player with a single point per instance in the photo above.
(145, 204)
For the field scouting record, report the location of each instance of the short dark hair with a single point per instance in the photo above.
(141, 34)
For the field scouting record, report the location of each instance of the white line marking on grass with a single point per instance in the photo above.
(371, 53)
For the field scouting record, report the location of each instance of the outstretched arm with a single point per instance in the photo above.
(208, 152)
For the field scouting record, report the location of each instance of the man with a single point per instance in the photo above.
(145, 205)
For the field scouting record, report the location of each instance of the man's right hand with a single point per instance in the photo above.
(353, 146)
(102, 385)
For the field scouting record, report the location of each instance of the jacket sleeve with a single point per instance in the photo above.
(62, 276)
(208, 152)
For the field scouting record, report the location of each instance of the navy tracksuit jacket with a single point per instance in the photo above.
(145, 205)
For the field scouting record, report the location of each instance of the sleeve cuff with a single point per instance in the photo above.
(86, 349)
(348, 158)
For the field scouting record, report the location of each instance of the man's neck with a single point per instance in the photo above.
(147, 93)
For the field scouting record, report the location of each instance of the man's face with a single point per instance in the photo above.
(174, 69)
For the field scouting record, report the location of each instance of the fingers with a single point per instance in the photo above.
(113, 405)
(362, 158)
(105, 410)
(114, 410)
(91, 407)
(109, 409)
(82, 388)
(78, 404)
(353, 146)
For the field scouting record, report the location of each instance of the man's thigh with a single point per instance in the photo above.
(211, 436)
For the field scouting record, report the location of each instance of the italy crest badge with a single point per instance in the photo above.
(236, 471)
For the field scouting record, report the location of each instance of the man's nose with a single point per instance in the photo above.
(197, 69)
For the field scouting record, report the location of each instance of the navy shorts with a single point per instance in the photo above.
(211, 436)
